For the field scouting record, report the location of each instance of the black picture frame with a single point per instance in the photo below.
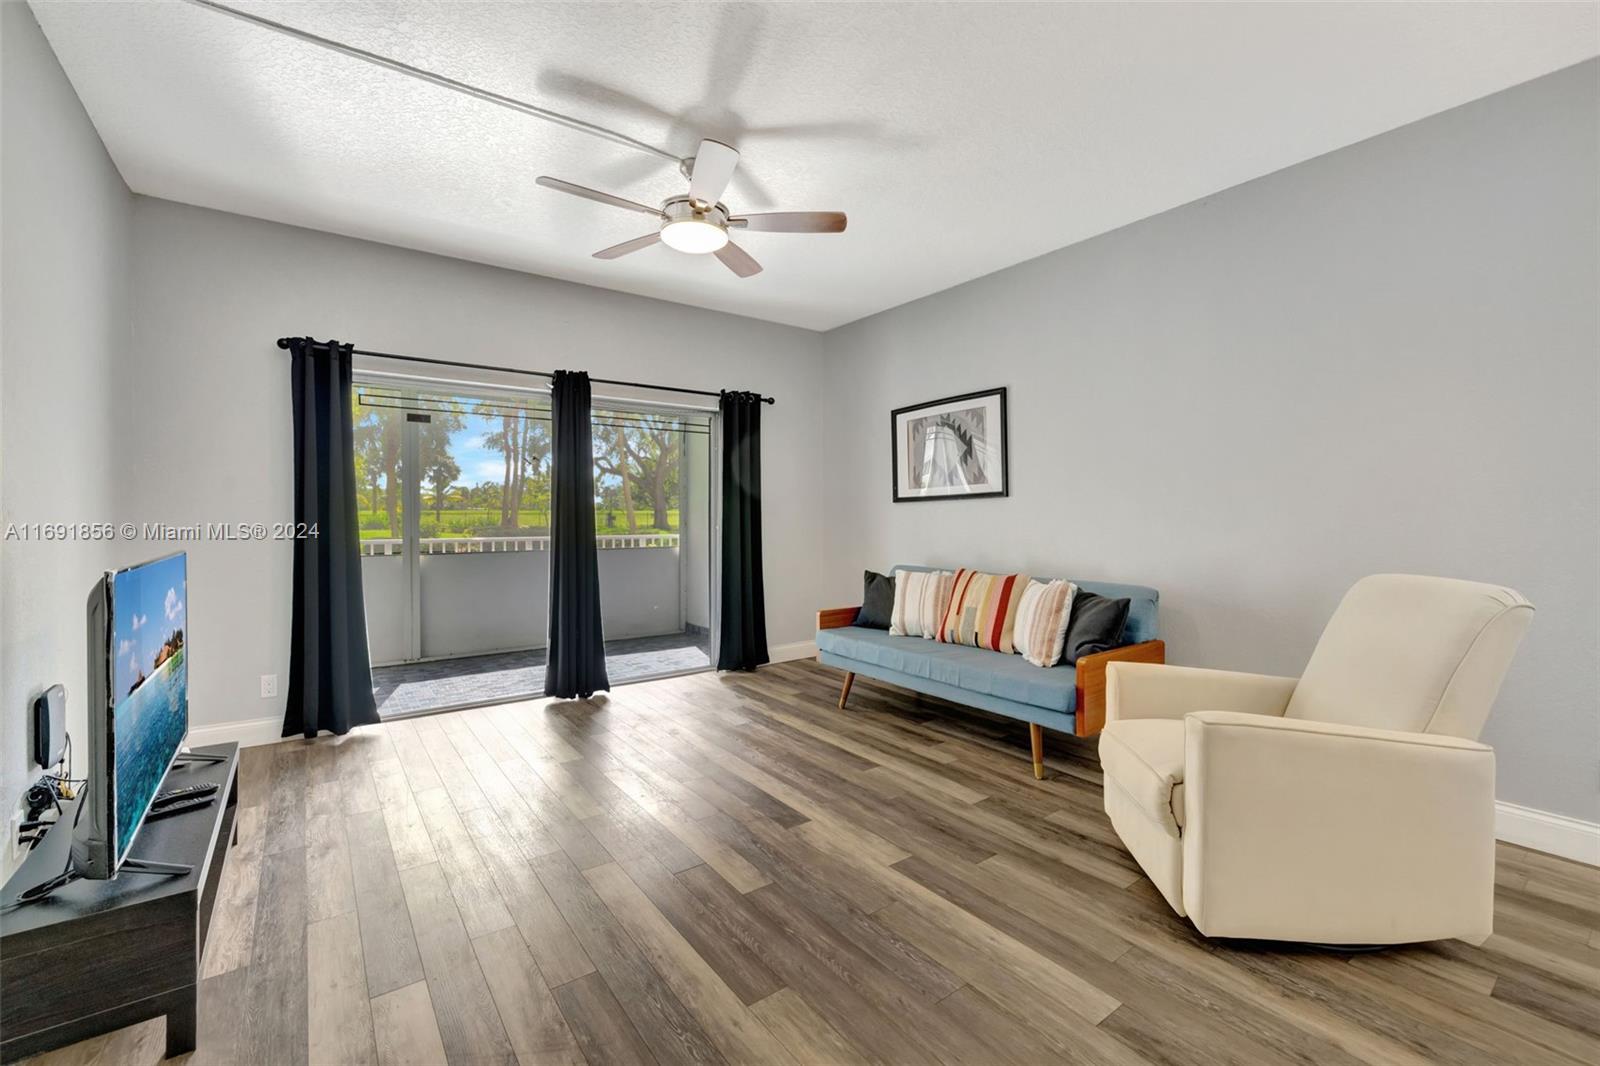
(997, 396)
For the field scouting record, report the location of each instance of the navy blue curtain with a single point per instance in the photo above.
(330, 671)
(743, 640)
(576, 665)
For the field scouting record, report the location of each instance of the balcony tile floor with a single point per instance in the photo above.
(412, 687)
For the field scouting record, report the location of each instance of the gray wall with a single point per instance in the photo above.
(64, 234)
(1384, 359)
(213, 291)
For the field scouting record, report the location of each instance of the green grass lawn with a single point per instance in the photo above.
(465, 522)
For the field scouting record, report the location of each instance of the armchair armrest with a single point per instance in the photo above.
(1335, 834)
(837, 617)
(1090, 715)
(1141, 691)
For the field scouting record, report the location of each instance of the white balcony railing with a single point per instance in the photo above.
(481, 545)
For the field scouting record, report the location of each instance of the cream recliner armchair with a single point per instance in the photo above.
(1352, 805)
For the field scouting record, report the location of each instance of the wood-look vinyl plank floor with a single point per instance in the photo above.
(728, 869)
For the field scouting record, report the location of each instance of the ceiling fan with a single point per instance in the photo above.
(699, 222)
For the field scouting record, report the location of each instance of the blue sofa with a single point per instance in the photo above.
(1069, 697)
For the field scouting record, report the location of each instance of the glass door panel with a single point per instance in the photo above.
(484, 535)
(651, 526)
(455, 537)
(380, 428)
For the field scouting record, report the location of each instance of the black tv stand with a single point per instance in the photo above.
(94, 956)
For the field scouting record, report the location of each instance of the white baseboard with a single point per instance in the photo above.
(800, 649)
(247, 734)
(1570, 838)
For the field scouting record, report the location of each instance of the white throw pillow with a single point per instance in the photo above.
(1042, 617)
(920, 599)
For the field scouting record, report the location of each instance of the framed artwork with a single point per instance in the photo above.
(950, 448)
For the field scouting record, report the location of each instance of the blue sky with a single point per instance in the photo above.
(149, 603)
(478, 464)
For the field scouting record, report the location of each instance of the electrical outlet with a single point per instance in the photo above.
(269, 686)
(13, 833)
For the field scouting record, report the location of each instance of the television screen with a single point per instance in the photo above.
(149, 688)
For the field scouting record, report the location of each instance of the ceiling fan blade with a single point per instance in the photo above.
(713, 168)
(617, 251)
(792, 222)
(599, 197)
(738, 260)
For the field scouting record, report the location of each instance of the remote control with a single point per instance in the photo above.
(174, 795)
(178, 807)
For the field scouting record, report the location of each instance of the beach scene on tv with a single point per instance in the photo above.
(150, 683)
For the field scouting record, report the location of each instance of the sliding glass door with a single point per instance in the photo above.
(455, 520)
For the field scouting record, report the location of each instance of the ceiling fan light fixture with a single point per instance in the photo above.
(693, 235)
(698, 223)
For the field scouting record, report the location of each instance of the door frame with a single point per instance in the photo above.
(409, 387)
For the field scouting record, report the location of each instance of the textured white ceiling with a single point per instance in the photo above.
(960, 138)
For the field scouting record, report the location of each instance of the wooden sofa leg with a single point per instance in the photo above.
(844, 693)
(1036, 736)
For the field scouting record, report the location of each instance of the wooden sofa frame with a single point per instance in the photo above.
(1088, 718)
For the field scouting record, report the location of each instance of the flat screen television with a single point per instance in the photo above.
(138, 704)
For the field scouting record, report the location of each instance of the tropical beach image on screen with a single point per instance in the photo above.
(150, 683)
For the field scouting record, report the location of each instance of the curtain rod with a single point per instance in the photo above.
(283, 342)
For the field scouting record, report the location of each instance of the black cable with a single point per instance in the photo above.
(67, 875)
(75, 784)
(43, 889)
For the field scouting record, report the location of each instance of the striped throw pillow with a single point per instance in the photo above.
(983, 610)
(920, 597)
(1042, 617)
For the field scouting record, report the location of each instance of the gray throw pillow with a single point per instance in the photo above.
(877, 601)
(1096, 625)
